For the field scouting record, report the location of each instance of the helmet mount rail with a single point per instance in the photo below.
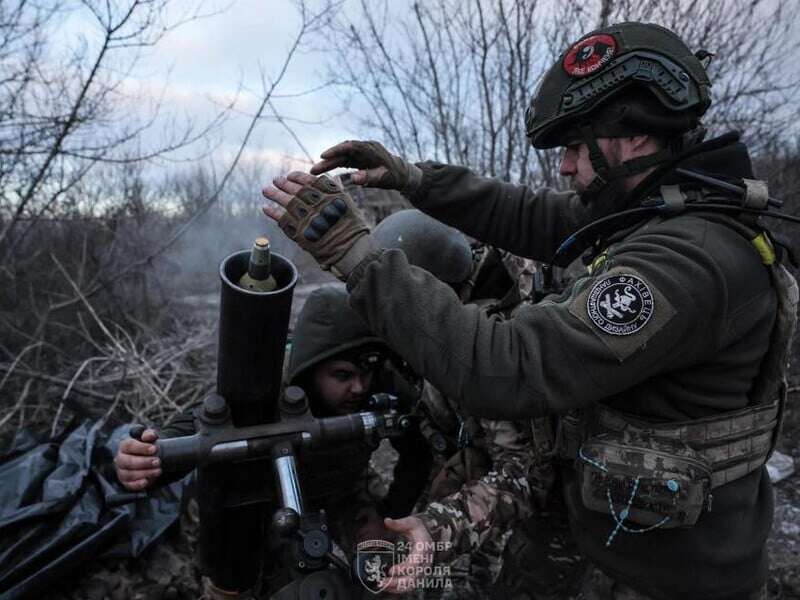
(671, 82)
(671, 86)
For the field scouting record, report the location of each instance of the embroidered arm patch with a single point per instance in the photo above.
(623, 310)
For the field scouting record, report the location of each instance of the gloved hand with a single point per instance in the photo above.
(379, 168)
(323, 220)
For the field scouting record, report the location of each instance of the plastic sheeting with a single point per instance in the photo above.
(57, 508)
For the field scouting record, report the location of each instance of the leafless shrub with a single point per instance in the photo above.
(128, 354)
(95, 255)
(66, 112)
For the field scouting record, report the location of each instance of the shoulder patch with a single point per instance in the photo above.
(623, 310)
(620, 304)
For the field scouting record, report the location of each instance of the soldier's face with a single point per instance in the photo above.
(576, 165)
(341, 385)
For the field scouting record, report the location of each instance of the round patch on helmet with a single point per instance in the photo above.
(620, 305)
(589, 55)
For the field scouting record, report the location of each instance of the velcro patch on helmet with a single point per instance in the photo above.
(589, 55)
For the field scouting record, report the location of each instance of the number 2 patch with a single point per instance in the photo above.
(620, 305)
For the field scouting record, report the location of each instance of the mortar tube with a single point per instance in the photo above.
(253, 327)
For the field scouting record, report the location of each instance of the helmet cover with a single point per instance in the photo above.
(611, 63)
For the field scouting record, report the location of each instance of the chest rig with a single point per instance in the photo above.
(648, 475)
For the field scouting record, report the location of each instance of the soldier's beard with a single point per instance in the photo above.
(609, 200)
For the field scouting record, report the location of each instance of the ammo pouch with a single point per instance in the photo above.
(648, 481)
(662, 474)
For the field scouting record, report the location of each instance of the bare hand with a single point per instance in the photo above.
(405, 576)
(136, 463)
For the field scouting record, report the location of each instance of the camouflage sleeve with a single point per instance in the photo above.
(490, 505)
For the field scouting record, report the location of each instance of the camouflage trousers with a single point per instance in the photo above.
(541, 559)
(599, 586)
(473, 575)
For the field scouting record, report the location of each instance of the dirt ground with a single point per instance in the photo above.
(167, 572)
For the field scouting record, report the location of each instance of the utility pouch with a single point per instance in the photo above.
(646, 481)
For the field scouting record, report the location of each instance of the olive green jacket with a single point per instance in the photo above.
(695, 354)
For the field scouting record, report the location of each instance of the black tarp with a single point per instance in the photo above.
(57, 508)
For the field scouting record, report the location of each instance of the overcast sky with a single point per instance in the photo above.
(206, 62)
(213, 56)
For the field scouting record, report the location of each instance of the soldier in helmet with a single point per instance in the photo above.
(499, 468)
(666, 361)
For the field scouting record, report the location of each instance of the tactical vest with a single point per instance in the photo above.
(655, 475)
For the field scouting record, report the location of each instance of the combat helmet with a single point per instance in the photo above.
(624, 79)
(427, 243)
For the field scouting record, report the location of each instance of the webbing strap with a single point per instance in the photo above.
(605, 172)
(674, 198)
(570, 434)
(638, 164)
(715, 429)
(596, 157)
(721, 477)
(748, 448)
(756, 194)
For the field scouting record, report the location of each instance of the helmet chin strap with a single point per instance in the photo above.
(605, 173)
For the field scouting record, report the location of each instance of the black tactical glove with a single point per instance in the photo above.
(380, 168)
(324, 221)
